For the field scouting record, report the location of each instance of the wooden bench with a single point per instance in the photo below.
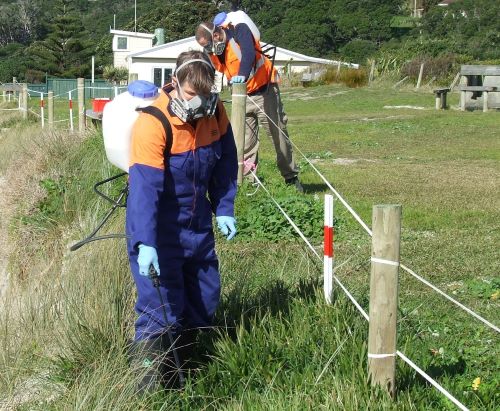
(470, 73)
(307, 79)
(441, 97)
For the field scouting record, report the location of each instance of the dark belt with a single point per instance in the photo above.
(261, 90)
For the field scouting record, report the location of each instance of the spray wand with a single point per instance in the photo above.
(155, 278)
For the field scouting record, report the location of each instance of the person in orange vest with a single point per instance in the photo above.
(235, 52)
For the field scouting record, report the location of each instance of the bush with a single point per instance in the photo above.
(439, 67)
(115, 75)
(357, 50)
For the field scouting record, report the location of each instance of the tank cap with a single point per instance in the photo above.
(220, 18)
(142, 89)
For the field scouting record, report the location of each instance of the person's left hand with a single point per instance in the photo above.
(227, 226)
(237, 79)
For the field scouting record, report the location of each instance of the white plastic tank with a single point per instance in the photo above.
(118, 119)
(234, 18)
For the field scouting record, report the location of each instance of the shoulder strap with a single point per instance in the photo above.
(162, 118)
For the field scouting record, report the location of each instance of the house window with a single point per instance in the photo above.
(162, 76)
(121, 43)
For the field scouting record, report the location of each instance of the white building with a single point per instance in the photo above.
(127, 42)
(157, 63)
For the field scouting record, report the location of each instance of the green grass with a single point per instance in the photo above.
(275, 344)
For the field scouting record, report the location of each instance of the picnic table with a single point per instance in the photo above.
(476, 81)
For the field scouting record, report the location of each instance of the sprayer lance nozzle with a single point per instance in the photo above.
(153, 275)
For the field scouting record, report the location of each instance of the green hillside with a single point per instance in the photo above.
(57, 37)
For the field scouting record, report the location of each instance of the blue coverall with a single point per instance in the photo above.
(170, 205)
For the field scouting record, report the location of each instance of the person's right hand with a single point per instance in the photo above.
(147, 256)
(237, 79)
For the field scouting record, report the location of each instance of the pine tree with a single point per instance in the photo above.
(66, 50)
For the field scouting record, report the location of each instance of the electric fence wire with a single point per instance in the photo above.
(35, 113)
(369, 231)
(427, 377)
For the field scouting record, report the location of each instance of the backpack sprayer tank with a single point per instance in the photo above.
(234, 18)
(118, 119)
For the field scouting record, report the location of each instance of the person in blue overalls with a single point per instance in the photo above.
(177, 183)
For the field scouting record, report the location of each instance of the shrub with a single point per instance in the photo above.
(115, 75)
(357, 50)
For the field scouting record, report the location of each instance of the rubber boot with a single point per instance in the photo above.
(147, 357)
(186, 345)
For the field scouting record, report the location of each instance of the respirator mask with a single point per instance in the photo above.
(214, 47)
(197, 107)
(219, 47)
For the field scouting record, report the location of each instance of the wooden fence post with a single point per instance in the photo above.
(81, 104)
(50, 99)
(372, 72)
(24, 100)
(238, 112)
(420, 75)
(338, 70)
(15, 93)
(386, 226)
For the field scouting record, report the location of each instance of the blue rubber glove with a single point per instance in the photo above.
(147, 256)
(227, 226)
(237, 79)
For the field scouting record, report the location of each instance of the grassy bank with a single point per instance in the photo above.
(275, 345)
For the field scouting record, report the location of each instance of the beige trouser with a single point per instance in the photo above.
(272, 106)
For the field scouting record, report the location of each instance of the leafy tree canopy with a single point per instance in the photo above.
(62, 43)
(66, 50)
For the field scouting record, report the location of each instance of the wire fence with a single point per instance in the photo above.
(358, 306)
(355, 215)
(60, 110)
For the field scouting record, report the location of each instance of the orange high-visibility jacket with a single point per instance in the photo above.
(262, 73)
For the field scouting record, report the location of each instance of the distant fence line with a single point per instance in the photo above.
(61, 88)
(82, 91)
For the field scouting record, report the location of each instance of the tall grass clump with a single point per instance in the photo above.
(348, 76)
(354, 78)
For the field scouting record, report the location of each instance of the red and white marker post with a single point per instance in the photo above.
(42, 109)
(328, 249)
(70, 111)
